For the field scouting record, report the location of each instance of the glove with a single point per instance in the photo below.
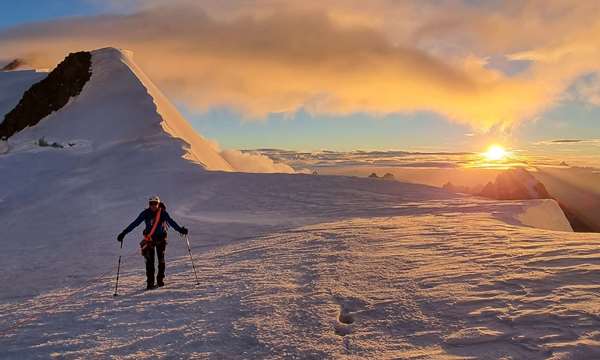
(184, 231)
(120, 237)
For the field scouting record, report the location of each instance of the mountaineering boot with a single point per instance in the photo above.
(150, 286)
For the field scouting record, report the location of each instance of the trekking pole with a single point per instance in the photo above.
(191, 258)
(118, 270)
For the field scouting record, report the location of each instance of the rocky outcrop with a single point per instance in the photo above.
(387, 176)
(50, 94)
(516, 184)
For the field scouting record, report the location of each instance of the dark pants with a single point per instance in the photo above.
(160, 246)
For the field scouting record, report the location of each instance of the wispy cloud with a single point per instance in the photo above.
(569, 142)
(340, 57)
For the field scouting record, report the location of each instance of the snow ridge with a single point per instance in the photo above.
(119, 104)
(198, 148)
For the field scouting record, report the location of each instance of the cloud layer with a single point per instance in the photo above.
(308, 161)
(254, 162)
(328, 162)
(482, 64)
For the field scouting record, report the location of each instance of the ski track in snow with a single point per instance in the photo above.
(398, 287)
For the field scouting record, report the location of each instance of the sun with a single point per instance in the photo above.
(495, 153)
(498, 157)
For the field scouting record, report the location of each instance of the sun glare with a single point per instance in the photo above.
(495, 153)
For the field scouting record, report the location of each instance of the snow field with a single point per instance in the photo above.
(408, 287)
(12, 86)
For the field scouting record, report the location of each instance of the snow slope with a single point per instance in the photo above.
(415, 284)
(290, 266)
(12, 86)
(200, 149)
(545, 214)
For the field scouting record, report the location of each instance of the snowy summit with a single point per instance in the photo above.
(120, 105)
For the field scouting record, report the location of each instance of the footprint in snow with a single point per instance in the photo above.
(343, 325)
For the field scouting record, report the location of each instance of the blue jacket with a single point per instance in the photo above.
(148, 216)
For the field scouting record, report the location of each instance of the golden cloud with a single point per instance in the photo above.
(341, 57)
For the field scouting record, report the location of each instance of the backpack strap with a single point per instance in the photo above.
(148, 237)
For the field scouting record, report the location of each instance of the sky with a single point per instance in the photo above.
(439, 75)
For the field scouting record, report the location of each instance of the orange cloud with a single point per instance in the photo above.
(340, 57)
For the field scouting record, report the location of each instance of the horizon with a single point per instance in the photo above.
(453, 110)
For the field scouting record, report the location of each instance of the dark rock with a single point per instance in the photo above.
(42, 142)
(13, 65)
(50, 94)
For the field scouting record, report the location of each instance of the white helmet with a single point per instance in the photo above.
(154, 198)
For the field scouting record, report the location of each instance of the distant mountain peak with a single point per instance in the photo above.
(515, 184)
(14, 65)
